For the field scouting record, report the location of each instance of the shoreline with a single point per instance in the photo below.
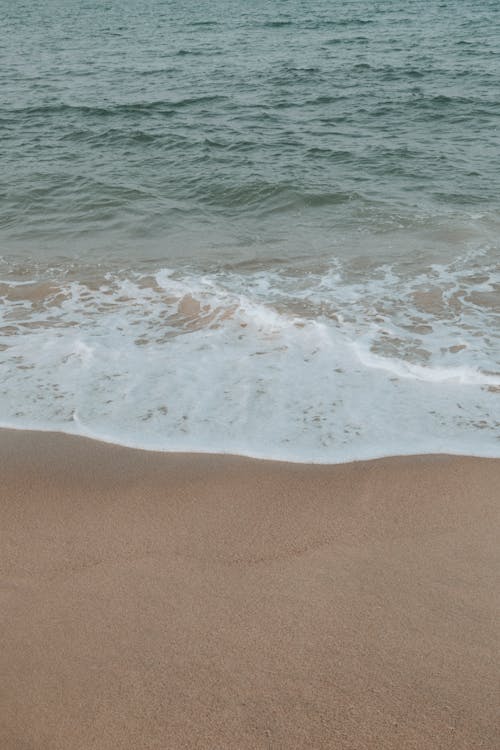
(113, 442)
(170, 600)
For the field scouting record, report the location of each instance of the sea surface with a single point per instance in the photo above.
(265, 228)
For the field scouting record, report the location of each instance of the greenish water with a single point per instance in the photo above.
(189, 186)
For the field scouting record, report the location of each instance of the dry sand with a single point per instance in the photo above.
(185, 601)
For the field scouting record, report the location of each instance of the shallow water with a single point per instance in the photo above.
(269, 229)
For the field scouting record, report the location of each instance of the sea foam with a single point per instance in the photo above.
(325, 365)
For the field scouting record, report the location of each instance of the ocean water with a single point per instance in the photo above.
(266, 228)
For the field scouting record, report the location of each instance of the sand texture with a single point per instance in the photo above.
(186, 601)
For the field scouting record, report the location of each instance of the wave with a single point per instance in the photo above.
(112, 109)
(314, 364)
(277, 24)
(268, 197)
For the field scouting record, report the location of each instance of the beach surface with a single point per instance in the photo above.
(197, 601)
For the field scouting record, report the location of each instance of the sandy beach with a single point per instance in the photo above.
(197, 601)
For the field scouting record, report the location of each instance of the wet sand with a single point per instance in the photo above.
(186, 601)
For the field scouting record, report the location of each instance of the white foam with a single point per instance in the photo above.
(326, 366)
(464, 375)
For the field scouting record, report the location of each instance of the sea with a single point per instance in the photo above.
(258, 227)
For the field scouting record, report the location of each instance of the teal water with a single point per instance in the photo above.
(235, 226)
